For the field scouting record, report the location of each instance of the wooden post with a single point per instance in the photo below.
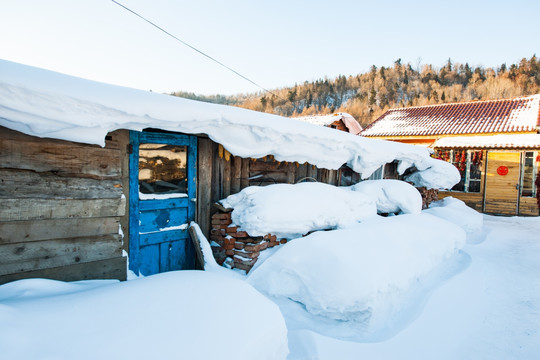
(204, 184)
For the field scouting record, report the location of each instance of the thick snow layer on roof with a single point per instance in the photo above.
(47, 104)
(524, 141)
(359, 274)
(179, 314)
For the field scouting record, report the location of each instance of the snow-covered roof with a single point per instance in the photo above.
(477, 117)
(48, 104)
(325, 120)
(518, 141)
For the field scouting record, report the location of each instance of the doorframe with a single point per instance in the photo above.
(136, 138)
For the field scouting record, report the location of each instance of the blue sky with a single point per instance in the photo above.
(274, 43)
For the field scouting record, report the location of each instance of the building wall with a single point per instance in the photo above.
(498, 193)
(61, 208)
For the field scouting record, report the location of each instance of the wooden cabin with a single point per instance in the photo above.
(94, 176)
(494, 144)
(63, 202)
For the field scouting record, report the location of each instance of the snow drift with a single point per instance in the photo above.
(182, 314)
(354, 274)
(455, 211)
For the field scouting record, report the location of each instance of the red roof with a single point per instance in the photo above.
(478, 117)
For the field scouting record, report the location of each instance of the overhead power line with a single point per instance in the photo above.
(192, 47)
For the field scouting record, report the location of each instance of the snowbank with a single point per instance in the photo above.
(455, 211)
(184, 314)
(47, 104)
(354, 274)
(391, 196)
(293, 210)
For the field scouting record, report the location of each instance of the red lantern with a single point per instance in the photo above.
(502, 170)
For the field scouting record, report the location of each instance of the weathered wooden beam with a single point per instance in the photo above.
(197, 246)
(244, 181)
(114, 268)
(31, 209)
(226, 179)
(30, 184)
(236, 174)
(291, 173)
(60, 157)
(44, 254)
(35, 230)
(204, 183)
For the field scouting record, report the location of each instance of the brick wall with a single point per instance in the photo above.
(236, 247)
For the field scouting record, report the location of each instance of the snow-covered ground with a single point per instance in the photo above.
(486, 305)
(398, 293)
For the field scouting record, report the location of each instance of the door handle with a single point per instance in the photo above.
(517, 186)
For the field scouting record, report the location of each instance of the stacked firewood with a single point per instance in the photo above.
(428, 196)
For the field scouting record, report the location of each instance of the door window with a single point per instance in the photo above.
(528, 174)
(162, 169)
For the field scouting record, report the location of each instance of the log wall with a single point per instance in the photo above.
(61, 204)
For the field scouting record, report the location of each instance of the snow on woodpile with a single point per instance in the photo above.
(293, 210)
(47, 104)
(391, 196)
(170, 315)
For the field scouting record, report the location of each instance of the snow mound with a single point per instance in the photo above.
(455, 211)
(435, 174)
(292, 210)
(356, 274)
(391, 196)
(181, 314)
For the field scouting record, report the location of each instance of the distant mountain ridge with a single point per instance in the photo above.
(366, 96)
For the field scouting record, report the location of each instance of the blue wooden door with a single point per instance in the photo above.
(162, 201)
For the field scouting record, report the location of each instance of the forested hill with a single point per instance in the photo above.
(368, 95)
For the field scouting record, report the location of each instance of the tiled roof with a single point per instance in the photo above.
(478, 117)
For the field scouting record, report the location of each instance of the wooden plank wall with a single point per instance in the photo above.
(501, 196)
(221, 174)
(61, 204)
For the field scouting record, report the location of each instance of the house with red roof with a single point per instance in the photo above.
(495, 144)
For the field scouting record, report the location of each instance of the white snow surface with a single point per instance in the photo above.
(48, 104)
(391, 196)
(181, 314)
(438, 175)
(359, 273)
(291, 210)
(455, 211)
(491, 141)
(486, 306)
